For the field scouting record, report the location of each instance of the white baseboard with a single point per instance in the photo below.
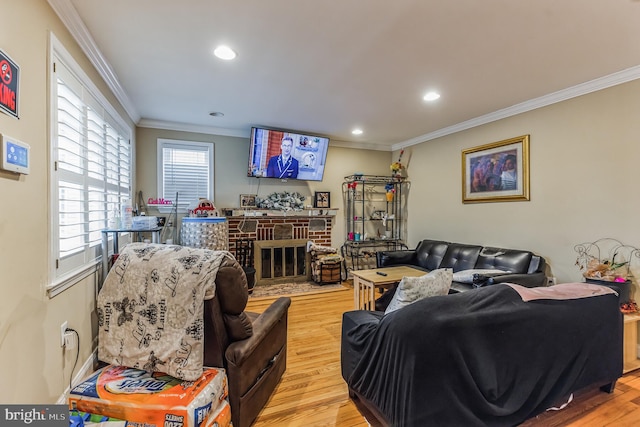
(83, 372)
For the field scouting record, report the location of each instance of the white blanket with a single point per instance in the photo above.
(150, 308)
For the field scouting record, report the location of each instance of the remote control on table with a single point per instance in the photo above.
(381, 273)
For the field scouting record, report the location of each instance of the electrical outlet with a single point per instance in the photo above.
(69, 341)
(63, 330)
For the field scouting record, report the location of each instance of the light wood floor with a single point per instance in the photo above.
(313, 393)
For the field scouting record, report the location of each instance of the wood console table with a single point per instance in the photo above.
(366, 281)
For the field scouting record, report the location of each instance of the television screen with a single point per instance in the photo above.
(286, 155)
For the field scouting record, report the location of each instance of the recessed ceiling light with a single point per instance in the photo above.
(216, 114)
(224, 52)
(431, 96)
(357, 131)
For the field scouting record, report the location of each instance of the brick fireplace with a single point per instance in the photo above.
(280, 243)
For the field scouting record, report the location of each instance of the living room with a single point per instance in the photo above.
(583, 187)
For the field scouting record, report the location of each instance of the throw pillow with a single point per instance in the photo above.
(412, 289)
(466, 276)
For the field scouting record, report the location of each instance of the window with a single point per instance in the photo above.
(185, 168)
(90, 173)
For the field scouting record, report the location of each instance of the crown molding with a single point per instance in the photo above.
(605, 82)
(70, 18)
(185, 127)
(211, 130)
(360, 145)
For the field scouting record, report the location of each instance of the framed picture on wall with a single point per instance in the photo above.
(496, 172)
(322, 199)
(248, 200)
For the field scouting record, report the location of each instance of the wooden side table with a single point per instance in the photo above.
(630, 343)
(365, 282)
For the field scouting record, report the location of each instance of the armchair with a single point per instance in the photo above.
(251, 347)
(175, 309)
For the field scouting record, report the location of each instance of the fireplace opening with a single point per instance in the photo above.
(281, 261)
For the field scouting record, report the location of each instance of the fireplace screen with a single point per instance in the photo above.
(279, 261)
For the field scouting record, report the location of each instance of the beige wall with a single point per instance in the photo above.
(584, 180)
(31, 359)
(231, 157)
(584, 176)
(33, 366)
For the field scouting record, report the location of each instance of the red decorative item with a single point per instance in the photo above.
(629, 307)
(205, 208)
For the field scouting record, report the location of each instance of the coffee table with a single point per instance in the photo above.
(366, 281)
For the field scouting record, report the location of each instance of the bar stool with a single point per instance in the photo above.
(244, 255)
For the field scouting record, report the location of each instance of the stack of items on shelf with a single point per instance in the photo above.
(137, 397)
(326, 264)
(375, 216)
(144, 222)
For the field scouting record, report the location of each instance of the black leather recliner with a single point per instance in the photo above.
(251, 347)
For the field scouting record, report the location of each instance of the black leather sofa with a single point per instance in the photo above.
(519, 266)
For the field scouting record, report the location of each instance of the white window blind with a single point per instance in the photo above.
(185, 168)
(91, 173)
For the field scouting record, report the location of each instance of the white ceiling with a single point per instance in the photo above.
(326, 67)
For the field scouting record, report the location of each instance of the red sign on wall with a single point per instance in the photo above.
(9, 78)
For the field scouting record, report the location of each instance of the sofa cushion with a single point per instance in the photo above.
(429, 253)
(461, 257)
(466, 276)
(412, 289)
(513, 260)
(401, 257)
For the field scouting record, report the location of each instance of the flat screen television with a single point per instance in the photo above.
(286, 155)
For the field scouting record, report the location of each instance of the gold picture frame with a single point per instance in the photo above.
(496, 172)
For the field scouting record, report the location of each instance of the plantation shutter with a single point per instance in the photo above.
(91, 175)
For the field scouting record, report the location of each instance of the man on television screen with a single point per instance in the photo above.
(284, 165)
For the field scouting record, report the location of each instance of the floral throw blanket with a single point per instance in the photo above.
(150, 308)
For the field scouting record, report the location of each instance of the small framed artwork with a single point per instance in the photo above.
(322, 199)
(248, 200)
(496, 172)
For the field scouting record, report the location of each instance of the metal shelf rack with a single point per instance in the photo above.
(375, 217)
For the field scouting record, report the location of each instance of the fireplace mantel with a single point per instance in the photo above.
(278, 225)
(259, 213)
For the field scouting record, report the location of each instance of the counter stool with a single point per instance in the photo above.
(244, 255)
